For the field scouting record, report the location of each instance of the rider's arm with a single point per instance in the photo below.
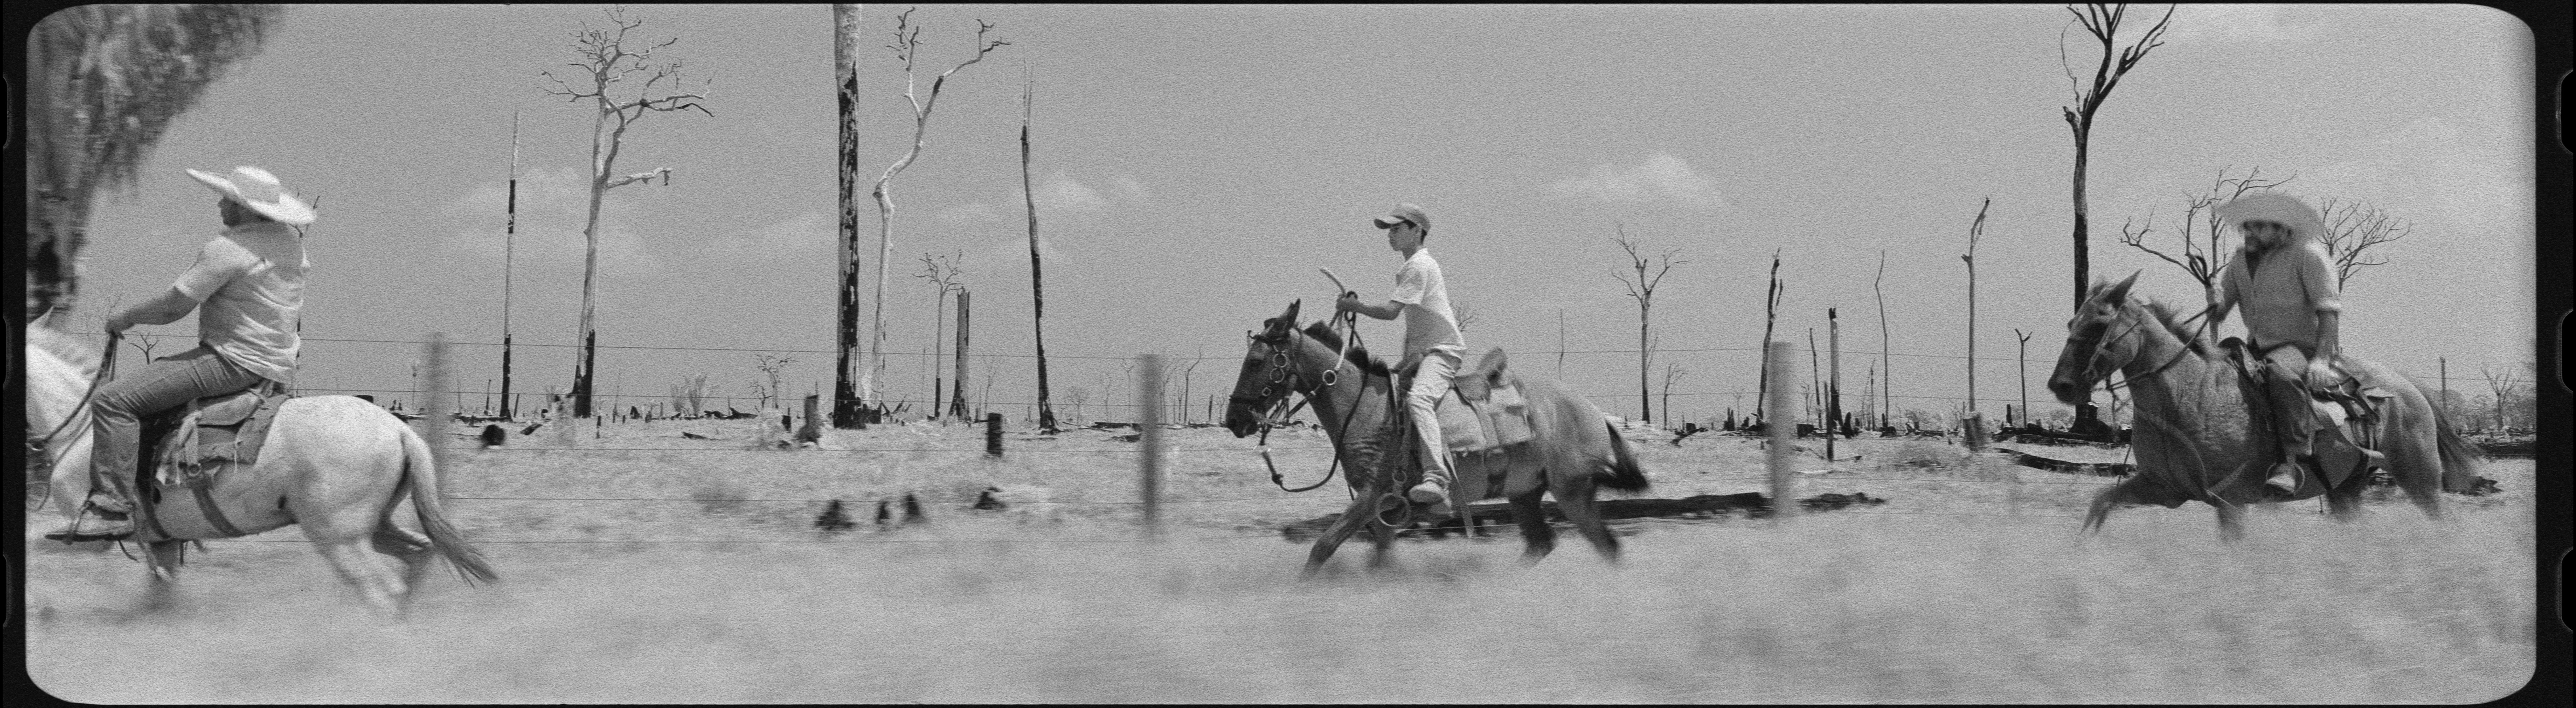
(2319, 277)
(168, 308)
(2226, 293)
(1351, 303)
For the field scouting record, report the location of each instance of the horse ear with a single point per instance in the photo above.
(2121, 291)
(1290, 316)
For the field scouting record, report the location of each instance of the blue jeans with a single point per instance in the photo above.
(119, 406)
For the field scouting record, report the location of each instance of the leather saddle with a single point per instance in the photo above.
(189, 446)
(2348, 407)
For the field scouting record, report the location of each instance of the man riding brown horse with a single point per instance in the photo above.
(2284, 282)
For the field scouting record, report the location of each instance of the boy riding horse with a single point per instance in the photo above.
(250, 282)
(1431, 340)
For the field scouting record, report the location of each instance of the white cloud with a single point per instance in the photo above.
(808, 234)
(1660, 179)
(1129, 189)
(1060, 192)
(2218, 22)
(2428, 168)
(552, 207)
(970, 213)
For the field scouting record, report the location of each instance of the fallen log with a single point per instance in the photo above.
(1499, 515)
(2099, 469)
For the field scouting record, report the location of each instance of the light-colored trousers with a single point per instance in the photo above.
(1430, 384)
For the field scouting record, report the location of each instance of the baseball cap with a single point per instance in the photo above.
(1404, 212)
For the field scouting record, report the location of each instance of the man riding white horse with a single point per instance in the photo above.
(2284, 282)
(248, 289)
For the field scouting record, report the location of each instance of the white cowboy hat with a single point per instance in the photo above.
(2277, 208)
(256, 188)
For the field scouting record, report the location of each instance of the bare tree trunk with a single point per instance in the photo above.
(846, 402)
(1770, 315)
(1886, 360)
(1037, 279)
(1974, 230)
(957, 403)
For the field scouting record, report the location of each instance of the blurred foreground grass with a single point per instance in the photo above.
(1836, 607)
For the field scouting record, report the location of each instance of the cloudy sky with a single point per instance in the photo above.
(1195, 165)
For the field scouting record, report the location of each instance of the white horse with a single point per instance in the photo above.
(335, 464)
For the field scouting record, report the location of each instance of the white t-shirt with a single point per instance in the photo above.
(249, 285)
(1427, 320)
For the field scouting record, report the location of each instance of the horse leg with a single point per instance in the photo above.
(2415, 462)
(1361, 511)
(415, 550)
(2231, 522)
(1537, 538)
(2343, 501)
(2102, 505)
(380, 586)
(161, 595)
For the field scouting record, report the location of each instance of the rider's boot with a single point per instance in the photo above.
(105, 516)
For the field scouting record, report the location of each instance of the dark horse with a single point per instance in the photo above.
(2194, 441)
(1574, 451)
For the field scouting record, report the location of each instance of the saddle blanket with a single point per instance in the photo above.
(209, 436)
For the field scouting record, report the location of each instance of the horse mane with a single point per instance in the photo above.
(2192, 337)
(1322, 332)
(70, 349)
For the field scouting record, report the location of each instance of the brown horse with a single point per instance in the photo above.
(1574, 451)
(2194, 440)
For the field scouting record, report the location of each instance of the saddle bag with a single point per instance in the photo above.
(211, 435)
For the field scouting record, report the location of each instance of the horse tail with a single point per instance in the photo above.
(2459, 456)
(420, 470)
(1624, 474)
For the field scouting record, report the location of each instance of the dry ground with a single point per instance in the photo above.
(690, 572)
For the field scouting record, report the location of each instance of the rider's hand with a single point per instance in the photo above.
(2321, 375)
(1349, 302)
(117, 324)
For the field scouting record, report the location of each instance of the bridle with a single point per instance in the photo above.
(1284, 378)
(2130, 319)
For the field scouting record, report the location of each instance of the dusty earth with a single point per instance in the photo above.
(639, 564)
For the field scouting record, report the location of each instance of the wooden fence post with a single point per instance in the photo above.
(1149, 440)
(993, 435)
(1778, 425)
(433, 422)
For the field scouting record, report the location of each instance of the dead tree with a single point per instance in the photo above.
(944, 272)
(1887, 410)
(1465, 314)
(2204, 252)
(606, 62)
(2352, 227)
(1643, 290)
(1975, 229)
(1672, 373)
(846, 403)
(1037, 274)
(774, 368)
(1770, 315)
(907, 47)
(2103, 22)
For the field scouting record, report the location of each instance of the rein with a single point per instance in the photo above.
(106, 369)
(1285, 374)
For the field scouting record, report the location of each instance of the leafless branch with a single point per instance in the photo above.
(2352, 227)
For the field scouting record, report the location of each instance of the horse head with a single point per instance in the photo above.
(2092, 351)
(1262, 383)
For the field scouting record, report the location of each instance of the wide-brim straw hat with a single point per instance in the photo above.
(256, 188)
(2277, 208)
